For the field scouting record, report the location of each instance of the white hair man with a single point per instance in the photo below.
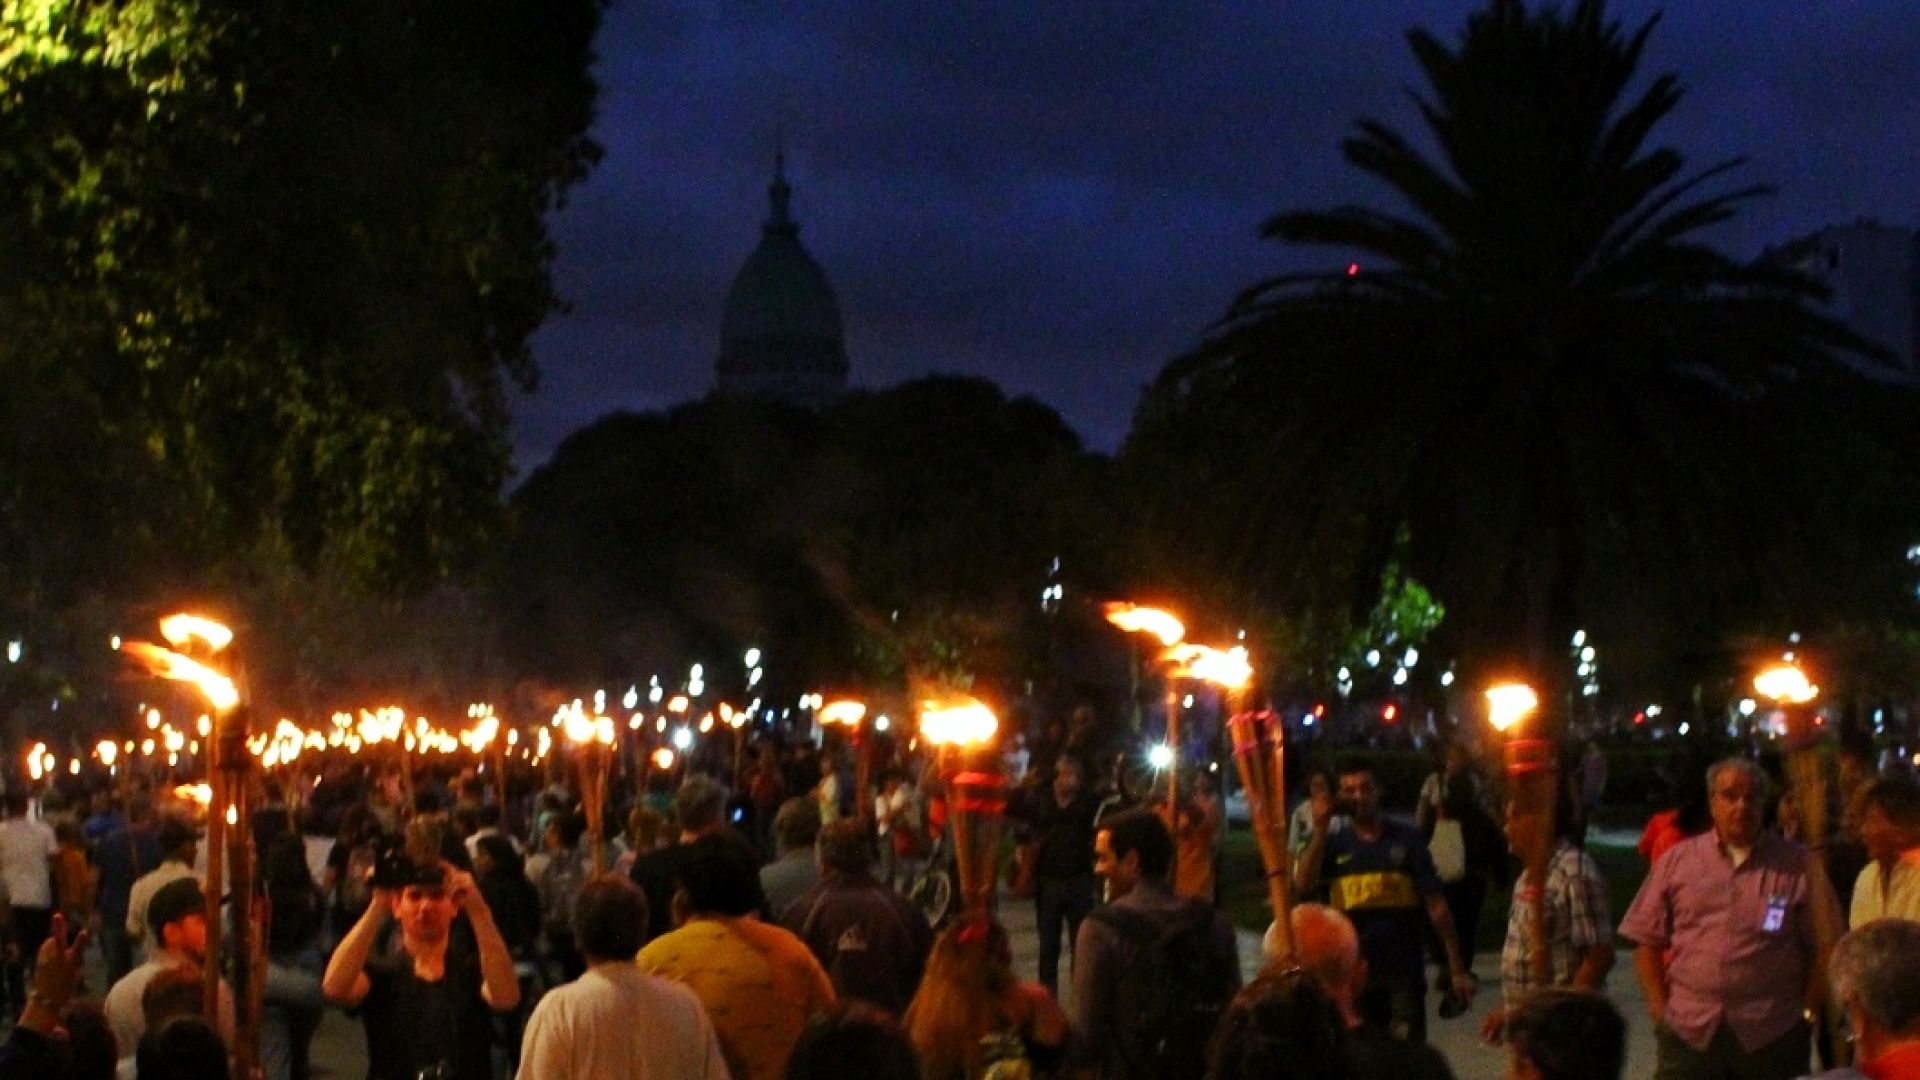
(1875, 971)
(1327, 947)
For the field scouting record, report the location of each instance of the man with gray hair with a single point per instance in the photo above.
(795, 828)
(1875, 971)
(1327, 947)
(699, 809)
(1726, 942)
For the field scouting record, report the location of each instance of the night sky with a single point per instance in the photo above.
(1062, 196)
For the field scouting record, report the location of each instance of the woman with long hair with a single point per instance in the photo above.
(971, 1008)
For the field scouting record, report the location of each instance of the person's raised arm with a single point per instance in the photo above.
(345, 982)
(1306, 869)
(498, 983)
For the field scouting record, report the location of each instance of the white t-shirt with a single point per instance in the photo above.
(129, 1020)
(142, 894)
(617, 1020)
(25, 847)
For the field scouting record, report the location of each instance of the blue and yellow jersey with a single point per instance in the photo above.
(1382, 885)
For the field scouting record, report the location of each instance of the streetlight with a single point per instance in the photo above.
(1532, 776)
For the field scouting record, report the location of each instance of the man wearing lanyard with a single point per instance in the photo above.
(1726, 943)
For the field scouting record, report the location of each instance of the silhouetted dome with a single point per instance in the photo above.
(780, 338)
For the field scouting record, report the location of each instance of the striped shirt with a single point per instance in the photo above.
(1577, 918)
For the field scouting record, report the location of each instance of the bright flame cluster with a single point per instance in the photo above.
(957, 723)
(1146, 620)
(1785, 683)
(1510, 703)
(1229, 668)
(583, 728)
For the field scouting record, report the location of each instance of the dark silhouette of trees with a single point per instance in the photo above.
(1575, 411)
(899, 535)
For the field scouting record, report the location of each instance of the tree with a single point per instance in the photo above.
(1541, 375)
(897, 537)
(277, 266)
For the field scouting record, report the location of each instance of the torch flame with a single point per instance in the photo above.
(183, 628)
(1786, 684)
(663, 759)
(199, 793)
(1146, 620)
(843, 711)
(1510, 703)
(167, 664)
(1230, 669)
(582, 728)
(107, 752)
(963, 723)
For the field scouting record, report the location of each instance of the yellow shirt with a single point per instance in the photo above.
(1902, 892)
(759, 985)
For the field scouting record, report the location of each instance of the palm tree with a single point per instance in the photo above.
(1539, 379)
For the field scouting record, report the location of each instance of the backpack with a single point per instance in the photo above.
(1171, 1001)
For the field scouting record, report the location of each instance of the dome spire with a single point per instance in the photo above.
(780, 222)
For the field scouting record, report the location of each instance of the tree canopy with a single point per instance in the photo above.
(1539, 374)
(902, 534)
(270, 269)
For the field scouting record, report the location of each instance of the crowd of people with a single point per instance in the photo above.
(763, 932)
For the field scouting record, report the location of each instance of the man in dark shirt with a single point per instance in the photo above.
(1379, 873)
(699, 807)
(122, 852)
(427, 1008)
(1061, 821)
(872, 942)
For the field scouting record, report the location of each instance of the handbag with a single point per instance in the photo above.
(1449, 848)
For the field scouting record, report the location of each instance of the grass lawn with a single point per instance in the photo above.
(1244, 891)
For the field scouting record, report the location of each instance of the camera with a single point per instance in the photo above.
(393, 868)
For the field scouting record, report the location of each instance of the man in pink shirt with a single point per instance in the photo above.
(1725, 929)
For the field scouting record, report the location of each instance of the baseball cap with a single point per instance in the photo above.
(174, 901)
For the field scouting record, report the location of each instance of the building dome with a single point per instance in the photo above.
(780, 336)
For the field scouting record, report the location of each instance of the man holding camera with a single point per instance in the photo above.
(427, 1007)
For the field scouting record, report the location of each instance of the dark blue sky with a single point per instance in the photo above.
(1061, 196)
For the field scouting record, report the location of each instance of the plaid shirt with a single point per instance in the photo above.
(1577, 917)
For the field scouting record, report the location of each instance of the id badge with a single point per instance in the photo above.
(1776, 916)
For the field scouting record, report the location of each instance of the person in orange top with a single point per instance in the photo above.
(74, 879)
(759, 983)
(1198, 840)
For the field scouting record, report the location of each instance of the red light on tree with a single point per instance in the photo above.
(1353, 269)
(1639, 718)
(1390, 713)
(1319, 710)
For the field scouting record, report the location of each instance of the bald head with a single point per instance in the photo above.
(1328, 948)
